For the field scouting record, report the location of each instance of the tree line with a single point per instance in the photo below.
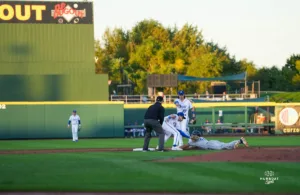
(149, 47)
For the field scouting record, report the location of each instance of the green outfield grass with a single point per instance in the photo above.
(134, 171)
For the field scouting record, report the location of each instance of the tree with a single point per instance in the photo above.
(291, 62)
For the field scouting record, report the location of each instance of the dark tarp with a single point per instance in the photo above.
(236, 77)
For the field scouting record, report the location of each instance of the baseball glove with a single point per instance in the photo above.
(193, 121)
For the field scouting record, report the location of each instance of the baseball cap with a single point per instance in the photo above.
(159, 98)
(180, 114)
(74, 110)
(181, 92)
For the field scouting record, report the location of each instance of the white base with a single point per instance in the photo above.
(141, 149)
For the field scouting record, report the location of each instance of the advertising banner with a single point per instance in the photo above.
(287, 119)
(44, 12)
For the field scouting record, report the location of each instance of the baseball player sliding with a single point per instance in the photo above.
(196, 141)
(170, 126)
(74, 120)
(184, 105)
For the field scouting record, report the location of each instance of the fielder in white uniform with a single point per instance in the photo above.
(170, 125)
(199, 142)
(184, 105)
(74, 120)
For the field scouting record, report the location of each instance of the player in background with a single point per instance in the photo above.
(74, 120)
(170, 126)
(196, 141)
(184, 105)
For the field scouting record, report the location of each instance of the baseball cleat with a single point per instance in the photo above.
(244, 141)
(176, 148)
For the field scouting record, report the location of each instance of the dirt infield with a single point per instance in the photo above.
(268, 154)
(255, 154)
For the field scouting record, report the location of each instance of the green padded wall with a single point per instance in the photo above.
(53, 87)
(50, 121)
(230, 115)
(48, 60)
(46, 49)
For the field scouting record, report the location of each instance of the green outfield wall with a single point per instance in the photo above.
(47, 52)
(49, 120)
(88, 87)
(229, 115)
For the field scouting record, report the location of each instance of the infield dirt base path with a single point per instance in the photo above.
(252, 154)
(258, 154)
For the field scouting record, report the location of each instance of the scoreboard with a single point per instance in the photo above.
(162, 80)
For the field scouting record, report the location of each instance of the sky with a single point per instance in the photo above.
(265, 32)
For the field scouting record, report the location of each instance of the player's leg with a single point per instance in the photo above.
(177, 140)
(231, 145)
(167, 133)
(76, 133)
(173, 131)
(147, 136)
(157, 127)
(73, 133)
(214, 145)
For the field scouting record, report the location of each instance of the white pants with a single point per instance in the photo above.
(185, 126)
(171, 130)
(75, 132)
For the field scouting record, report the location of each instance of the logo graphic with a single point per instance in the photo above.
(269, 177)
(2, 106)
(67, 12)
(288, 116)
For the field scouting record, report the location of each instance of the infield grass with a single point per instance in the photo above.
(135, 171)
(133, 143)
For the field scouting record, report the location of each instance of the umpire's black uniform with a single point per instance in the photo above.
(154, 113)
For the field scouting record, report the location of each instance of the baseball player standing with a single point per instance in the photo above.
(184, 105)
(74, 120)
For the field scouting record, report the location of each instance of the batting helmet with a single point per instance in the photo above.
(196, 132)
(181, 92)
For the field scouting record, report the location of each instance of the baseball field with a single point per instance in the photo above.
(109, 165)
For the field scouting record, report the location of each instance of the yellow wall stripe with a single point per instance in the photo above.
(136, 106)
(62, 103)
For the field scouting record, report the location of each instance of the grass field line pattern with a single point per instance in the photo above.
(71, 170)
(269, 141)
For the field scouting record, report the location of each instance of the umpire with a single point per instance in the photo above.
(154, 113)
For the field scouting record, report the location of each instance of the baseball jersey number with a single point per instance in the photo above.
(174, 124)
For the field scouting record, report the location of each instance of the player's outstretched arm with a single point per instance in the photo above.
(188, 147)
(185, 147)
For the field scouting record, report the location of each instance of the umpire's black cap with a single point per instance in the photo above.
(159, 99)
